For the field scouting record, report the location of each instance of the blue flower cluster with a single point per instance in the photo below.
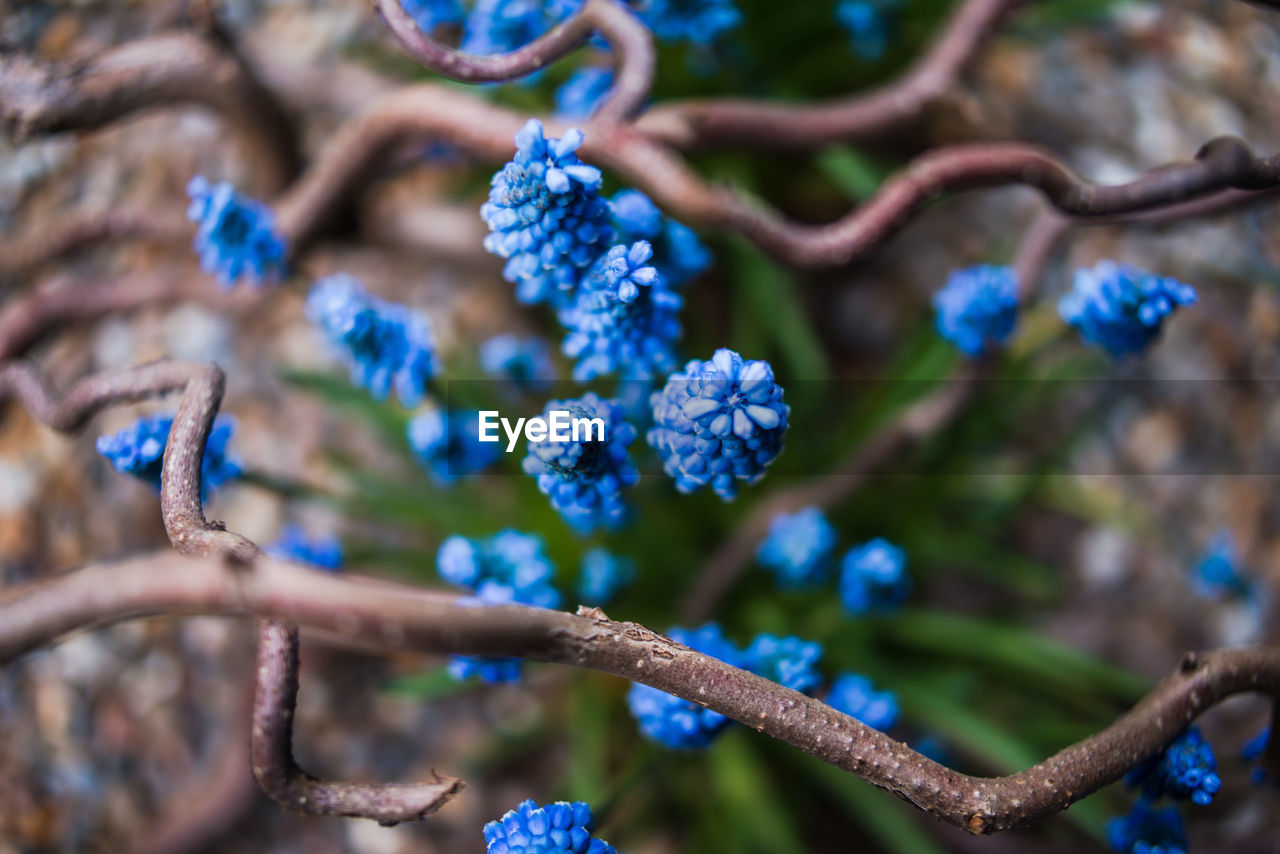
(546, 217)
(584, 477)
(525, 362)
(978, 308)
(683, 725)
(555, 828)
(1253, 751)
(235, 235)
(429, 14)
(1185, 768)
(1218, 571)
(677, 723)
(873, 577)
(603, 576)
(718, 422)
(678, 254)
(870, 24)
(580, 95)
(699, 22)
(798, 548)
(448, 444)
(623, 318)
(789, 661)
(138, 450)
(388, 345)
(497, 26)
(324, 551)
(856, 696)
(509, 567)
(1146, 830)
(1121, 309)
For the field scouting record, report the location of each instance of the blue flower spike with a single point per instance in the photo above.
(603, 576)
(584, 475)
(138, 450)
(546, 216)
(448, 444)
(874, 577)
(583, 93)
(789, 661)
(678, 254)
(388, 345)
(322, 551)
(1147, 830)
(676, 723)
(510, 567)
(497, 26)
(624, 319)
(1185, 768)
(235, 235)
(856, 696)
(523, 361)
(429, 14)
(559, 828)
(1253, 752)
(798, 548)
(699, 22)
(1120, 308)
(718, 423)
(1218, 571)
(978, 308)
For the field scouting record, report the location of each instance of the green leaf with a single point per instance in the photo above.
(745, 788)
(857, 175)
(769, 297)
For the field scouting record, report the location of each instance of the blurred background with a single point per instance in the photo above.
(1053, 530)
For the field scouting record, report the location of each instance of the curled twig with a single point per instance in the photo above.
(630, 40)
(743, 122)
(272, 750)
(178, 67)
(398, 617)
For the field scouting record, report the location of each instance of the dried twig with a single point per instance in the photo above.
(399, 617)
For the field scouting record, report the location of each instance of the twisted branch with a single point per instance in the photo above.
(399, 617)
(747, 123)
(629, 39)
(272, 749)
(38, 97)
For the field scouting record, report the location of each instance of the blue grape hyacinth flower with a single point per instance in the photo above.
(623, 320)
(1253, 751)
(545, 216)
(388, 345)
(553, 829)
(870, 24)
(1120, 308)
(497, 26)
(603, 576)
(510, 567)
(672, 721)
(798, 548)
(429, 14)
(580, 95)
(523, 361)
(1217, 573)
(1185, 768)
(698, 22)
(978, 308)
(323, 551)
(873, 577)
(718, 423)
(678, 254)
(138, 450)
(856, 696)
(448, 444)
(789, 661)
(1147, 830)
(584, 475)
(235, 235)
